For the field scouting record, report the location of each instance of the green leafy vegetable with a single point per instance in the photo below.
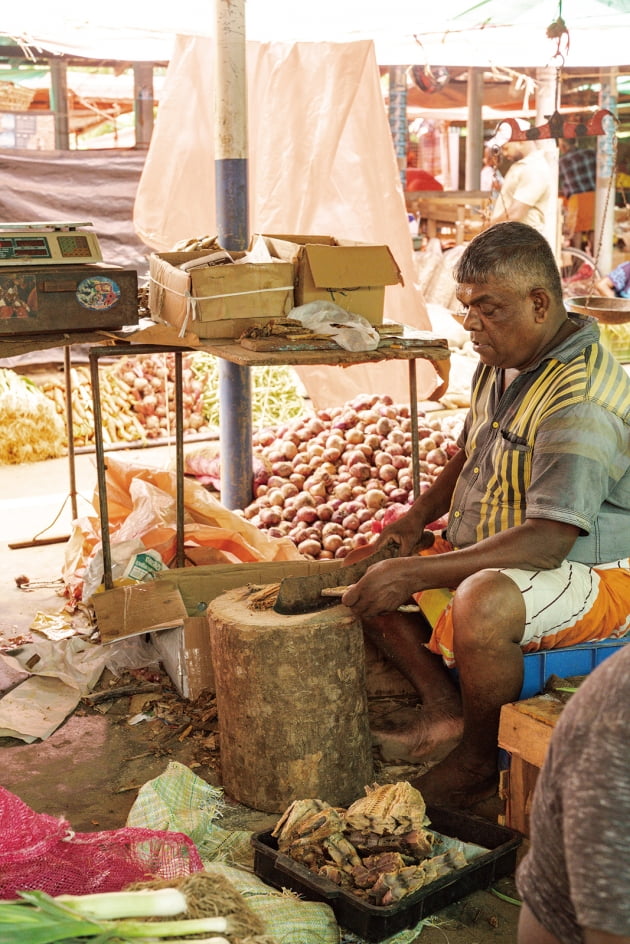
(38, 918)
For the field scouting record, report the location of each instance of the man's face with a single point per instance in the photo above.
(513, 151)
(505, 327)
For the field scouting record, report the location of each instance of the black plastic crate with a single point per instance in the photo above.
(375, 922)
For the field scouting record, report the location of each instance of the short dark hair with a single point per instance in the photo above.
(512, 251)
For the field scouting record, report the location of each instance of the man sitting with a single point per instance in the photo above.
(536, 550)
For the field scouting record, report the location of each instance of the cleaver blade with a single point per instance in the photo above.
(304, 594)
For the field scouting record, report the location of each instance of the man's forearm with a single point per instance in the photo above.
(535, 545)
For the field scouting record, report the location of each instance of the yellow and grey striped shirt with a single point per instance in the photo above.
(554, 445)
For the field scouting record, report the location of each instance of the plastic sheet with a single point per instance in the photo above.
(320, 161)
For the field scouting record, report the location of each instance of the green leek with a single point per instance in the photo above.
(38, 918)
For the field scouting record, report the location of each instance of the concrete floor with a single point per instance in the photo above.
(90, 768)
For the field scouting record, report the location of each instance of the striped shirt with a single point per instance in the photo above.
(554, 445)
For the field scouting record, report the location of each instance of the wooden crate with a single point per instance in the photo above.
(525, 729)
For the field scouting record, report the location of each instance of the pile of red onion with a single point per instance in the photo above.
(330, 480)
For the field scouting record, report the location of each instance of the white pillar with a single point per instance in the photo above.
(546, 100)
(606, 171)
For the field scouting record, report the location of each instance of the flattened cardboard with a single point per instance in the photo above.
(351, 275)
(218, 301)
(199, 586)
(137, 608)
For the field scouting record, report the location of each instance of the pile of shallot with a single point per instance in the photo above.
(330, 480)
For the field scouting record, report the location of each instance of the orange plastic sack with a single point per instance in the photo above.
(142, 509)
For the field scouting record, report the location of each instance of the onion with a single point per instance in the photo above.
(282, 468)
(437, 457)
(354, 435)
(332, 542)
(332, 528)
(332, 477)
(350, 523)
(275, 496)
(375, 498)
(387, 473)
(288, 449)
(304, 499)
(270, 516)
(309, 547)
(289, 489)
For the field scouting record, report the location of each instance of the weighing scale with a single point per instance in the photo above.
(52, 243)
(53, 278)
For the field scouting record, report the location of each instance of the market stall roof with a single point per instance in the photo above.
(489, 32)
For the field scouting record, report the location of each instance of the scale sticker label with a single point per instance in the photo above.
(18, 296)
(98, 293)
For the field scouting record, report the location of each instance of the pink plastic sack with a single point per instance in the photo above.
(38, 851)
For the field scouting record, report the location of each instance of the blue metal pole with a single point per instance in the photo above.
(235, 413)
(397, 114)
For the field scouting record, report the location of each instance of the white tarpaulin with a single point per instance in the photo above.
(320, 162)
(406, 32)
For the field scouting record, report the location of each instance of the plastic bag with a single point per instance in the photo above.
(43, 852)
(350, 331)
(142, 516)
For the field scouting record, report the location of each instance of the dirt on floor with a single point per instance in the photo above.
(125, 733)
(89, 770)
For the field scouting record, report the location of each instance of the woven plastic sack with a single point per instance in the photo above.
(38, 851)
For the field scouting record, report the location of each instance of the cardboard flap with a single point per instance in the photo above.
(137, 608)
(349, 267)
(289, 248)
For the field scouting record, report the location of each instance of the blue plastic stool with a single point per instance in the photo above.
(571, 660)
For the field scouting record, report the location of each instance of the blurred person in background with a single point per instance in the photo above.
(575, 877)
(526, 191)
(617, 283)
(577, 168)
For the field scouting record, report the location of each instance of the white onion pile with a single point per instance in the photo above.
(333, 478)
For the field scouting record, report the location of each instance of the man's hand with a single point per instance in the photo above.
(391, 533)
(384, 587)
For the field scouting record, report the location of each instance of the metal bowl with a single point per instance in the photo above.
(607, 310)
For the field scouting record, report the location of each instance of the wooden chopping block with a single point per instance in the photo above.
(292, 704)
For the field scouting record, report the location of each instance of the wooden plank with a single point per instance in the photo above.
(524, 735)
(518, 789)
(318, 344)
(232, 351)
(138, 608)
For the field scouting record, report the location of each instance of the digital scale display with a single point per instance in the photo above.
(46, 243)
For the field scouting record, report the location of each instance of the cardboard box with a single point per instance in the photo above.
(218, 301)
(352, 275)
(185, 655)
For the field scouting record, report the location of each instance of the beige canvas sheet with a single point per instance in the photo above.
(321, 160)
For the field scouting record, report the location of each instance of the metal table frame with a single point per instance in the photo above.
(235, 353)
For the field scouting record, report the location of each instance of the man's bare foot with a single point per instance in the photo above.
(424, 733)
(459, 781)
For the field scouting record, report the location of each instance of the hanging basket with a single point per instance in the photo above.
(15, 97)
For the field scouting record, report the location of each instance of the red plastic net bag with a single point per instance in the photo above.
(38, 851)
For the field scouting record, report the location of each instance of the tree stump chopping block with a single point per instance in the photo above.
(292, 704)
